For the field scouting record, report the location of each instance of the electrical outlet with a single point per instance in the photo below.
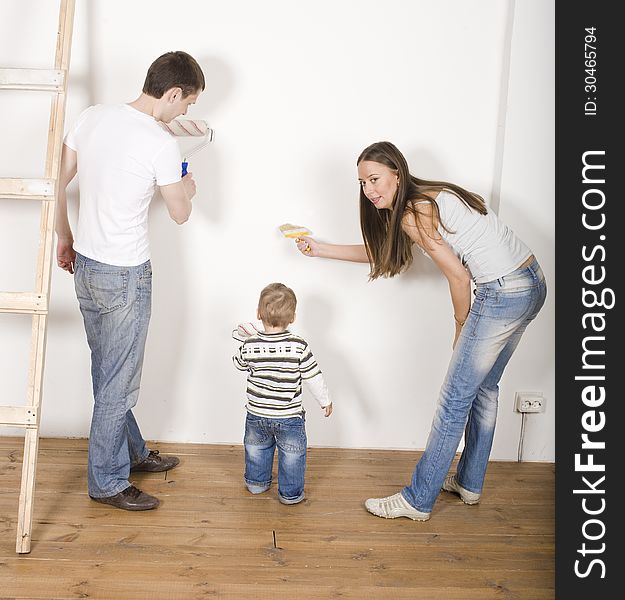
(529, 402)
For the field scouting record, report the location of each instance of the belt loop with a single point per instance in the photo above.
(500, 281)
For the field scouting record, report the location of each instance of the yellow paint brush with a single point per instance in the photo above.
(294, 231)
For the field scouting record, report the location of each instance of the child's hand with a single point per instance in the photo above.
(328, 410)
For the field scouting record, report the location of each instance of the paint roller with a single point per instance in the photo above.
(190, 128)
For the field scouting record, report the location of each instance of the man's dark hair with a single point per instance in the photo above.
(174, 69)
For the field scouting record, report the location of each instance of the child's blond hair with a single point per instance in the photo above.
(276, 305)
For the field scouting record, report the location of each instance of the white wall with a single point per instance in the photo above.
(528, 205)
(294, 93)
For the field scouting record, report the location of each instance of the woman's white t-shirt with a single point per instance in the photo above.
(487, 247)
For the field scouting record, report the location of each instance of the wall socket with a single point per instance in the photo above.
(529, 402)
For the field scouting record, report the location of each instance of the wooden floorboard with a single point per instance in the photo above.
(210, 538)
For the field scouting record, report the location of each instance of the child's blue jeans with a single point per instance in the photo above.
(262, 435)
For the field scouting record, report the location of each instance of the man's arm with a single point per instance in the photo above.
(177, 198)
(65, 255)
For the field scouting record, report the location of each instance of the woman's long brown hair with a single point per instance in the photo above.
(388, 247)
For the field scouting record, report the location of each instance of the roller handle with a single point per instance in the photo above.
(185, 164)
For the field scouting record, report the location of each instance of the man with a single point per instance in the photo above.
(121, 155)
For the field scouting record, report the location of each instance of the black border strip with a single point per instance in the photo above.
(589, 270)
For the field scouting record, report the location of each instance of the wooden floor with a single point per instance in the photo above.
(211, 539)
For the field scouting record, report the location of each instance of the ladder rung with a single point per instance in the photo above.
(45, 80)
(28, 189)
(23, 302)
(18, 416)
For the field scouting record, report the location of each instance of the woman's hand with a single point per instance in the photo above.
(457, 334)
(307, 246)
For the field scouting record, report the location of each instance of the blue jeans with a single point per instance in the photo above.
(115, 303)
(500, 313)
(262, 435)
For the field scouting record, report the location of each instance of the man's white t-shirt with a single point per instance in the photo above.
(123, 154)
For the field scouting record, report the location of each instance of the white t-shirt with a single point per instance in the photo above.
(123, 154)
(487, 247)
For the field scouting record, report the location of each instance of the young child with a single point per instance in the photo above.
(277, 361)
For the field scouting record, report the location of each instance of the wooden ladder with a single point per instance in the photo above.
(36, 302)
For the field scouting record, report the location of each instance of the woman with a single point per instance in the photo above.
(468, 243)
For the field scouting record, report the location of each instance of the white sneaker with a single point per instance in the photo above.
(452, 485)
(394, 506)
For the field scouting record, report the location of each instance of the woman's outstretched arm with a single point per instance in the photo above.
(352, 252)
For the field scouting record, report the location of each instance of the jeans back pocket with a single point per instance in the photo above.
(109, 288)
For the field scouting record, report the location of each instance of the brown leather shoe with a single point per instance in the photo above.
(131, 498)
(155, 463)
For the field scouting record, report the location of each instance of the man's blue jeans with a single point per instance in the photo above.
(262, 435)
(468, 399)
(115, 303)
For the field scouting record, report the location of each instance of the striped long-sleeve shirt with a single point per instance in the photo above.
(277, 364)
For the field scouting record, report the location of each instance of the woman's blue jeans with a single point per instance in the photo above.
(262, 435)
(501, 311)
(115, 303)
